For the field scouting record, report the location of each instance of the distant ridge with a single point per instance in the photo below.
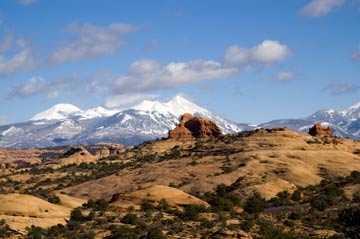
(65, 124)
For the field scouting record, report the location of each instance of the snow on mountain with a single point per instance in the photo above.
(354, 107)
(177, 106)
(11, 131)
(67, 124)
(57, 112)
(168, 114)
(96, 112)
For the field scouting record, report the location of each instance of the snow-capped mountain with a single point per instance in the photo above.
(344, 123)
(57, 112)
(67, 124)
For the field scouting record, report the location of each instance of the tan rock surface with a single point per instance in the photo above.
(318, 130)
(278, 158)
(194, 127)
(22, 210)
(174, 196)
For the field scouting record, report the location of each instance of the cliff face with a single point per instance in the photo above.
(318, 130)
(194, 127)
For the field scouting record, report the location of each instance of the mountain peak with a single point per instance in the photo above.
(177, 106)
(57, 112)
(354, 107)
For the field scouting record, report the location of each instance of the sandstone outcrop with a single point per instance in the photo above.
(77, 155)
(318, 130)
(194, 127)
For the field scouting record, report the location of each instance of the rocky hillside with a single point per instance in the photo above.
(266, 183)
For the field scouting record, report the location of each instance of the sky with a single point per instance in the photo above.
(250, 61)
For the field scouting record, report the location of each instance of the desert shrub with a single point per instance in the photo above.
(76, 215)
(191, 212)
(281, 199)
(296, 195)
(5, 230)
(122, 232)
(54, 199)
(101, 205)
(354, 177)
(268, 231)
(255, 204)
(147, 206)
(34, 232)
(356, 197)
(294, 215)
(163, 205)
(221, 200)
(349, 219)
(319, 202)
(206, 223)
(147, 158)
(56, 231)
(129, 218)
(98, 205)
(154, 232)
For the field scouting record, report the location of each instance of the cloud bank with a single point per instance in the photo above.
(317, 8)
(146, 75)
(268, 52)
(92, 41)
(24, 59)
(38, 85)
(336, 89)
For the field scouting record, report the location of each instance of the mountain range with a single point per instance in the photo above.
(65, 124)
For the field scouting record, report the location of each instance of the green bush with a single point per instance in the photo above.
(191, 212)
(54, 199)
(5, 230)
(319, 202)
(354, 177)
(147, 206)
(34, 232)
(356, 197)
(129, 218)
(255, 204)
(76, 215)
(163, 205)
(271, 232)
(349, 219)
(154, 232)
(296, 195)
(122, 232)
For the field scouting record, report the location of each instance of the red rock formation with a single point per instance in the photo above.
(194, 127)
(318, 130)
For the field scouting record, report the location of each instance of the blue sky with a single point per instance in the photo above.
(250, 60)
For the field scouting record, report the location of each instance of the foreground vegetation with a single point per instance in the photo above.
(319, 211)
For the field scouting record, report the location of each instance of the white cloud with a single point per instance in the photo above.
(285, 76)
(31, 87)
(92, 41)
(23, 60)
(318, 8)
(27, 2)
(341, 88)
(267, 52)
(123, 101)
(37, 85)
(146, 75)
(356, 55)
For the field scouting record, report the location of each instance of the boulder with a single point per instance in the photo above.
(191, 127)
(319, 130)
